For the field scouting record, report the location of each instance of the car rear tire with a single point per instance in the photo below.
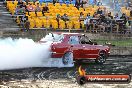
(102, 58)
(67, 58)
(81, 80)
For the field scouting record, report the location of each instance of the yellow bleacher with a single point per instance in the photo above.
(126, 11)
(39, 21)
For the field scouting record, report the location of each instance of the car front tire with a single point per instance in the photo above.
(67, 58)
(102, 58)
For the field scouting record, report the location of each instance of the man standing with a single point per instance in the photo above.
(24, 22)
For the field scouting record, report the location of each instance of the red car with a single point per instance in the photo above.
(73, 46)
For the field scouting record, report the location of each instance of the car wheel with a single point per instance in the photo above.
(81, 80)
(102, 58)
(67, 58)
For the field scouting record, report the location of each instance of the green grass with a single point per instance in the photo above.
(119, 43)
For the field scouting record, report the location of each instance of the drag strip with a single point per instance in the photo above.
(112, 66)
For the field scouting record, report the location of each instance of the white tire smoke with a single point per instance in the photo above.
(24, 53)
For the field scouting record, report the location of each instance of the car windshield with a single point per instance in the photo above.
(53, 37)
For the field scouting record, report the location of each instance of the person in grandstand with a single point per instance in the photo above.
(45, 9)
(20, 3)
(30, 8)
(38, 8)
(24, 22)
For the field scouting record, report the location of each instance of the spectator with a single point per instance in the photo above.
(81, 18)
(110, 16)
(65, 17)
(104, 11)
(101, 22)
(45, 9)
(20, 3)
(124, 18)
(94, 2)
(24, 22)
(131, 12)
(102, 18)
(33, 1)
(38, 8)
(30, 8)
(58, 17)
(86, 22)
(88, 16)
(54, 1)
(99, 3)
(24, 6)
(107, 23)
(27, 1)
(77, 4)
(99, 11)
(83, 3)
(95, 15)
(17, 10)
(116, 16)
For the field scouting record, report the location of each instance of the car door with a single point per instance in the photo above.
(89, 51)
(76, 46)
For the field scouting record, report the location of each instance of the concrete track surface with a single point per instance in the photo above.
(65, 77)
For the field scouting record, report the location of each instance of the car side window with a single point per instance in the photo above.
(74, 40)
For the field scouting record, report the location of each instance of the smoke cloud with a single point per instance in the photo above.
(22, 53)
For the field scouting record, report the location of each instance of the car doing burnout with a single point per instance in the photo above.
(69, 46)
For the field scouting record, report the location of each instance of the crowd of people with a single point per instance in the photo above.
(101, 19)
(22, 8)
(105, 21)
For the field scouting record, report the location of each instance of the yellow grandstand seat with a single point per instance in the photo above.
(43, 4)
(64, 5)
(61, 24)
(53, 14)
(47, 14)
(82, 24)
(69, 24)
(76, 24)
(9, 3)
(38, 23)
(128, 13)
(54, 24)
(15, 3)
(46, 23)
(18, 20)
(51, 7)
(39, 14)
(81, 9)
(74, 8)
(32, 23)
(74, 18)
(57, 10)
(50, 4)
(32, 14)
(71, 5)
(57, 4)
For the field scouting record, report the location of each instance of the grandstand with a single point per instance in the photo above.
(48, 20)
